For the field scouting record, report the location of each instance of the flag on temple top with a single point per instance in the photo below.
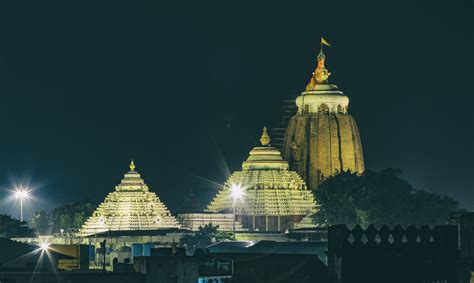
(323, 41)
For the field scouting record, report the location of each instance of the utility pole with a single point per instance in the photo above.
(102, 245)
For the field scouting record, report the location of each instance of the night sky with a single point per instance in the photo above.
(185, 88)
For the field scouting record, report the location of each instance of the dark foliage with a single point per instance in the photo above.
(379, 198)
(71, 215)
(13, 228)
(41, 222)
(205, 236)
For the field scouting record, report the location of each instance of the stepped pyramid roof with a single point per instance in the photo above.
(130, 207)
(269, 187)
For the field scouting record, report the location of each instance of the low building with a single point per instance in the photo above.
(393, 255)
(71, 277)
(168, 265)
(16, 256)
(465, 224)
(316, 248)
(81, 256)
(193, 221)
(123, 246)
(235, 262)
(32, 263)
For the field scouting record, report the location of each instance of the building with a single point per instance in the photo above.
(464, 220)
(322, 138)
(16, 256)
(168, 265)
(193, 221)
(316, 248)
(236, 262)
(273, 197)
(393, 255)
(130, 207)
(35, 263)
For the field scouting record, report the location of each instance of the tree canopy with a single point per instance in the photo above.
(41, 222)
(71, 215)
(378, 198)
(67, 216)
(205, 236)
(14, 228)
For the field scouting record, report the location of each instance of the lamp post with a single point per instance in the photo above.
(236, 193)
(44, 246)
(21, 194)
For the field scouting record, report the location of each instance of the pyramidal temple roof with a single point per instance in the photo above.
(130, 207)
(270, 188)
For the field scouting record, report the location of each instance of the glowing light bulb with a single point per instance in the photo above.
(236, 192)
(44, 246)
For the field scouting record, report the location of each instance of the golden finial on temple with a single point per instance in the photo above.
(321, 74)
(265, 139)
(132, 166)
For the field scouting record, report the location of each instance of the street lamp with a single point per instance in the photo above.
(236, 193)
(21, 194)
(44, 246)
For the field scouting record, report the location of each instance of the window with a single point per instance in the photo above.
(323, 108)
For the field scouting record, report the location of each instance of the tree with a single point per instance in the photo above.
(42, 222)
(72, 215)
(205, 236)
(379, 198)
(14, 228)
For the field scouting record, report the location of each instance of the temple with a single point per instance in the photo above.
(130, 207)
(191, 216)
(322, 138)
(274, 198)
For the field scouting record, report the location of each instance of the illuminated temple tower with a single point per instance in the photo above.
(130, 207)
(275, 198)
(322, 138)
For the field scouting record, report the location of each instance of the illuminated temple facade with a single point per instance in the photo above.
(274, 198)
(130, 207)
(322, 138)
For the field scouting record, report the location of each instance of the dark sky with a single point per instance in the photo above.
(184, 88)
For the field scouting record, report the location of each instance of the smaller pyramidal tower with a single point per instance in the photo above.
(273, 197)
(322, 138)
(130, 207)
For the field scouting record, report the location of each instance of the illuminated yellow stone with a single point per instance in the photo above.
(265, 139)
(275, 198)
(130, 207)
(322, 138)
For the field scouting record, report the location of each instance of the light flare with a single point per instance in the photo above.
(236, 192)
(44, 246)
(22, 193)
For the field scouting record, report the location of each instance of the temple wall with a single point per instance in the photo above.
(269, 223)
(317, 145)
(335, 144)
(313, 179)
(323, 150)
(346, 143)
(359, 156)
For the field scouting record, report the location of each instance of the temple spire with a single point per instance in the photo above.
(132, 166)
(265, 139)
